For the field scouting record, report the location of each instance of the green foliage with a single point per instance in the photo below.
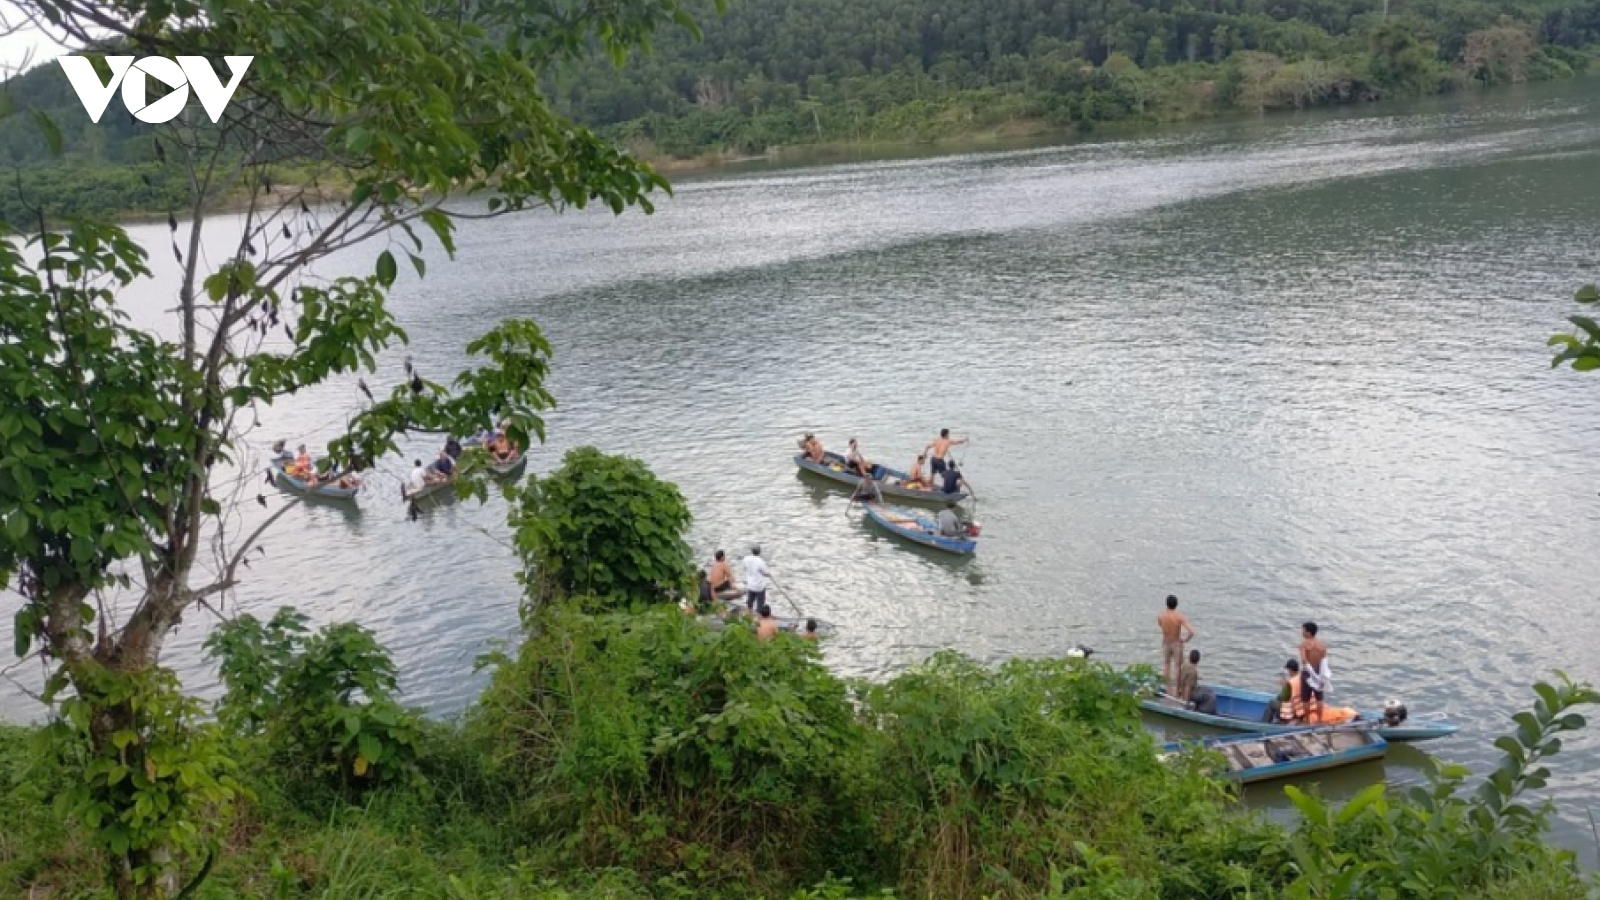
(770, 75)
(1582, 347)
(147, 777)
(1440, 844)
(604, 528)
(650, 741)
(324, 702)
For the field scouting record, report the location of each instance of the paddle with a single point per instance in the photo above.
(786, 596)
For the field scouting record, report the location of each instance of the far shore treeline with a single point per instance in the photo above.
(774, 74)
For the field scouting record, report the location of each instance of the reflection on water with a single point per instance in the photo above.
(1287, 368)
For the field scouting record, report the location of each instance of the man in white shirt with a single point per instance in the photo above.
(755, 579)
(419, 477)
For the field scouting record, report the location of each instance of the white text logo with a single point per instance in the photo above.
(180, 75)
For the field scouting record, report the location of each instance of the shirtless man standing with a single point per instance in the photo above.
(1313, 671)
(1173, 624)
(936, 451)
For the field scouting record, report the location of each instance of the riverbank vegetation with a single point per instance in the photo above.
(635, 752)
(771, 74)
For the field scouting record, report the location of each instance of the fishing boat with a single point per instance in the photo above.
(920, 529)
(327, 491)
(1253, 758)
(834, 468)
(500, 468)
(736, 611)
(438, 491)
(1242, 710)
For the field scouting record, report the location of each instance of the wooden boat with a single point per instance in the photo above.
(836, 470)
(500, 469)
(329, 491)
(1253, 758)
(1242, 710)
(439, 491)
(913, 527)
(736, 612)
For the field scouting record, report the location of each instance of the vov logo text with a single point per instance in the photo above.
(180, 74)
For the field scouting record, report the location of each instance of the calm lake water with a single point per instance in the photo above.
(1287, 368)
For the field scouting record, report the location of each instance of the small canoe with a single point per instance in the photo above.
(1253, 758)
(438, 490)
(501, 469)
(282, 478)
(1242, 710)
(888, 479)
(905, 523)
(736, 612)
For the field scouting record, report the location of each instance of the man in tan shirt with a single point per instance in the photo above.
(1173, 627)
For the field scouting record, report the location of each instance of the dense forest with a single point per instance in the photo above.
(774, 72)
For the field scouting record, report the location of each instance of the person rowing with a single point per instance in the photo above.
(953, 482)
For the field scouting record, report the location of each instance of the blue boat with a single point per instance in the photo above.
(1242, 710)
(920, 529)
(889, 480)
(1253, 758)
(282, 478)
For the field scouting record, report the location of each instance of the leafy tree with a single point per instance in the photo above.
(604, 528)
(1582, 348)
(108, 500)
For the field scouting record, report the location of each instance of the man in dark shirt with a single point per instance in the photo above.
(953, 482)
(444, 465)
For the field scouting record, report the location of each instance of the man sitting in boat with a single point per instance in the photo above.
(953, 482)
(949, 524)
(721, 576)
(914, 481)
(419, 477)
(301, 467)
(1294, 710)
(857, 461)
(811, 448)
(441, 470)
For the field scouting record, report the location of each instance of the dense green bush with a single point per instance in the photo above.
(322, 703)
(603, 528)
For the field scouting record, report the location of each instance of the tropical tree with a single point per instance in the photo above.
(115, 515)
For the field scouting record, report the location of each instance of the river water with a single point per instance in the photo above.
(1285, 368)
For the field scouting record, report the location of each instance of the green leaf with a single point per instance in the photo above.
(1587, 294)
(1588, 325)
(1586, 363)
(386, 268)
(419, 264)
(1310, 807)
(1362, 800)
(370, 747)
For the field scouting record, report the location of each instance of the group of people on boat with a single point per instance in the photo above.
(941, 475)
(719, 595)
(302, 468)
(1303, 687)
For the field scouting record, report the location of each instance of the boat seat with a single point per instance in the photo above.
(1254, 755)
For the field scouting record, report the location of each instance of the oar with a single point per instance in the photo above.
(786, 596)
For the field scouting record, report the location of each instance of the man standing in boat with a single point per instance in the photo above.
(1314, 674)
(1175, 632)
(755, 580)
(936, 452)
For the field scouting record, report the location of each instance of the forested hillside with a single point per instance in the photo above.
(781, 71)
(771, 73)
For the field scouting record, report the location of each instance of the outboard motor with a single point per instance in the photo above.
(1394, 712)
(974, 529)
(1079, 651)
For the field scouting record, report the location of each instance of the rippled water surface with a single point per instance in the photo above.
(1286, 369)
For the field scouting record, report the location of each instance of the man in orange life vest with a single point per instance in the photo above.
(1294, 708)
